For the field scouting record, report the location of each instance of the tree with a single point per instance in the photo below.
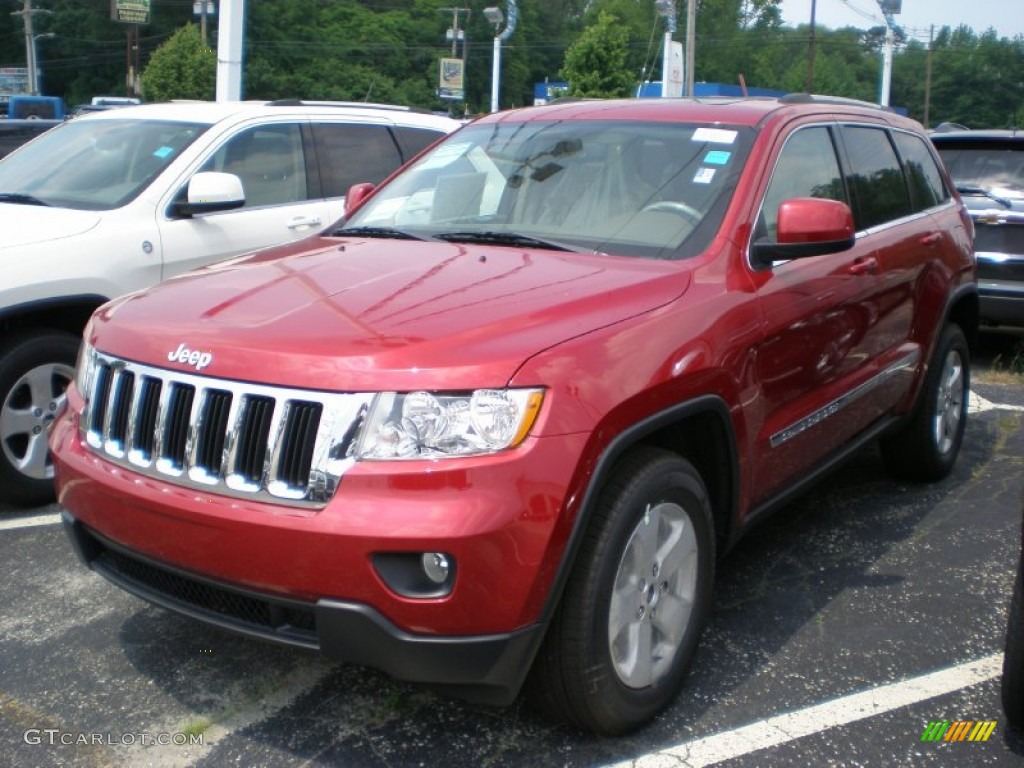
(596, 65)
(181, 68)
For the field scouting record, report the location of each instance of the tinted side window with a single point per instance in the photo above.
(927, 187)
(349, 154)
(270, 162)
(807, 167)
(875, 176)
(414, 140)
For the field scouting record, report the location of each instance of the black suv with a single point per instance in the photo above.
(988, 170)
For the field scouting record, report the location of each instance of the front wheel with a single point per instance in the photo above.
(35, 370)
(628, 624)
(926, 448)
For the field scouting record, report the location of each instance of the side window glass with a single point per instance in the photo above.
(927, 187)
(269, 161)
(350, 154)
(807, 167)
(414, 140)
(876, 178)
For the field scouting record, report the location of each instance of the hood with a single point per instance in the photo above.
(31, 224)
(366, 315)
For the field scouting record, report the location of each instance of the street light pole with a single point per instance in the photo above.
(495, 17)
(36, 88)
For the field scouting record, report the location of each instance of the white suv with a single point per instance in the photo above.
(116, 201)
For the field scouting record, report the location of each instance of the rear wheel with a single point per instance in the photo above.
(35, 370)
(926, 448)
(636, 602)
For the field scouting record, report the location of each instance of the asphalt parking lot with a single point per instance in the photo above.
(842, 628)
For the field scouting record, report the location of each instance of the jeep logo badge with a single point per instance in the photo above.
(193, 357)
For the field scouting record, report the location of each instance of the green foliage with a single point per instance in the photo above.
(364, 49)
(596, 64)
(181, 68)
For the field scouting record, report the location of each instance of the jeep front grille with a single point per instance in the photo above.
(246, 440)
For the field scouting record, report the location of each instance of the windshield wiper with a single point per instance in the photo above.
(399, 234)
(20, 198)
(974, 189)
(508, 238)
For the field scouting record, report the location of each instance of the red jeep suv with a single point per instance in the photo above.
(500, 421)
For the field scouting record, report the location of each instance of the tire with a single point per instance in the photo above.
(925, 449)
(627, 626)
(35, 369)
(1013, 660)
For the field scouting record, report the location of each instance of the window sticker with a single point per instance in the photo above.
(704, 176)
(714, 135)
(717, 157)
(164, 152)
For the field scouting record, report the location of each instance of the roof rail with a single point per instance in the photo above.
(346, 104)
(814, 98)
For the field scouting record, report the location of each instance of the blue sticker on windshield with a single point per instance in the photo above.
(164, 152)
(717, 157)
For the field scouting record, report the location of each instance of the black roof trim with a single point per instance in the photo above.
(813, 98)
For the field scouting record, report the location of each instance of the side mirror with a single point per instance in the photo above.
(808, 226)
(357, 193)
(211, 191)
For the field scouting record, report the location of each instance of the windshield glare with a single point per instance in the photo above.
(95, 165)
(650, 189)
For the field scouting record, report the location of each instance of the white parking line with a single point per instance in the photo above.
(29, 522)
(805, 722)
(978, 404)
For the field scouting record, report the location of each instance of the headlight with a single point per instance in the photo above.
(425, 425)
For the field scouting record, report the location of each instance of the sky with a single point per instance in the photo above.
(916, 16)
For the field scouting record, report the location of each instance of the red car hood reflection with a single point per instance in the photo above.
(381, 314)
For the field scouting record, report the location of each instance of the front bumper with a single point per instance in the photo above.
(307, 577)
(1001, 302)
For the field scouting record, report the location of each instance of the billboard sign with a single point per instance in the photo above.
(450, 80)
(13, 82)
(130, 11)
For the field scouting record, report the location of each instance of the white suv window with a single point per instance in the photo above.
(270, 162)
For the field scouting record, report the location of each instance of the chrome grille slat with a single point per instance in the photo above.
(144, 431)
(245, 440)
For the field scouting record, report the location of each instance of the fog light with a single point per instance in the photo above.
(436, 566)
(419, 575)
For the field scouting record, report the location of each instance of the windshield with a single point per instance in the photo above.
(93, 165)
(993, 172)
(650, 189)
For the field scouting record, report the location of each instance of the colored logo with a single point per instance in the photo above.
(958, 730)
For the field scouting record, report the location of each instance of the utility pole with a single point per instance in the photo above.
(27, 13)
(809, 82)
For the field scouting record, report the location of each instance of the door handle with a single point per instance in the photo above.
(864, 266)
(303, 221)
(931, 239)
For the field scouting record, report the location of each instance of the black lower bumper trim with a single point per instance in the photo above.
(488, 669)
